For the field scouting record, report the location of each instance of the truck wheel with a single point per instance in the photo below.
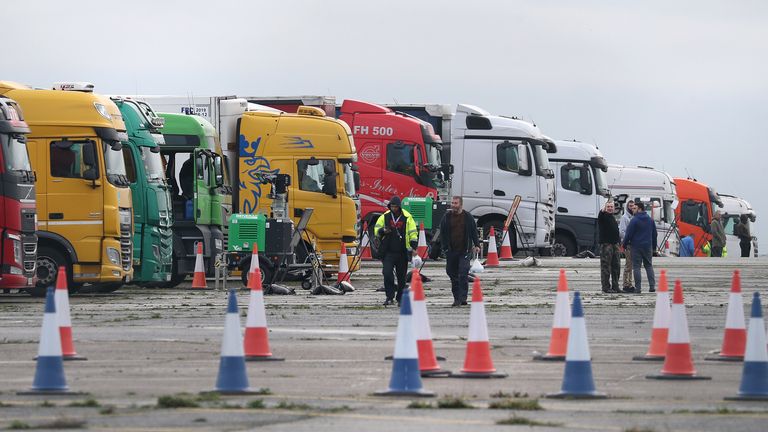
(564, 246)
(48, 262)
(266, 274)
(498, 231)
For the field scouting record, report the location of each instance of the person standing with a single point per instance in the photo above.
(718, 235)
(458, 240)
(745, 237)
(687, 246)
(641, 239)
(608, 234)
(629, 211)
(399, 238)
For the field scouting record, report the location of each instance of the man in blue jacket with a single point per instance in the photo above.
(641, 239)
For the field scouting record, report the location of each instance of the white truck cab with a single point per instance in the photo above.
(733, 208)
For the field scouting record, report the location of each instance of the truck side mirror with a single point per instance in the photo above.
(199, 166)
(584, 181)
(90, 174)
(218, 170)
(356, 179)
(89, 154)
(522, 160)
(329, 184)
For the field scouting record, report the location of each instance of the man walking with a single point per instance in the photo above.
(399, 238)
(629, 211)
(718, 235)
(459, 240)
(608, 233)
(641, 239)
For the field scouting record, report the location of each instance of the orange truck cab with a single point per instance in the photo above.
(694, 212)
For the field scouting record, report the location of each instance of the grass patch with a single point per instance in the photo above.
(343, 408)
(6, 405)
(64, 423)
(177, 401)
(501, 395)
(516, 404)
(107, 410)
(263, 391)
(46, 404)
(88, 403)
(420, 405)
(18, 425)
(208, 397)
(255, 404)
(637, 429)
(293, 406)
(523, 421)
(452, 402)
(717, 411)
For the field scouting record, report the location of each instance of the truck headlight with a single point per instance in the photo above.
(125, 217)
(17, 251)
(113, 255)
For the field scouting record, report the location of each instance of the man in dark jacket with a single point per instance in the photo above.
(641, 239)
(399, 238)
(459, 240)
(608, 233)
(745, 237)
(718, 235)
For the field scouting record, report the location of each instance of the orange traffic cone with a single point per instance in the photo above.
(63, 320)
(492, 260)
(365, 245)
(678, 362)
(198, 281)
(254, 260)
(661, 315)
(478, 362)
(428, 365)
(421, 250)
(343, 265)
(256, 333)
(558, 343)
(735, 337)
(506, 246)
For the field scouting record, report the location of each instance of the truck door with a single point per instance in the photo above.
(75, 196)
(202, 174)
(477, 188)
(372, 176)
(511, 165)
(400, 171)
(575, 190)
(317, 187)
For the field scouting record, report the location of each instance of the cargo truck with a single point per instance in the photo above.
(18, 217)
(196, 179)
(83, 194)
(733, 208)
(581, 193)
(152, 218)
(693, 214)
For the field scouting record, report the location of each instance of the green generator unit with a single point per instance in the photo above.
(245, 230)
(421, 210)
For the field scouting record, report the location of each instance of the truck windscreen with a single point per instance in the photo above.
(114, 162)
(14, 153)
(542, 160)
(601, 182)
(433, 155)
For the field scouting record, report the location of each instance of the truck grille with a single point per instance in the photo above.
(29, 248)
(126, 241)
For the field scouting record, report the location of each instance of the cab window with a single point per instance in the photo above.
(67, 161)
(130, 165)
(694, 213)
(400, 158)
(506, 157)
(316, 177)
(572, 178)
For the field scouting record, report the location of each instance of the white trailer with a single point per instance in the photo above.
(581, 192)
(733, 208)
(656, 189)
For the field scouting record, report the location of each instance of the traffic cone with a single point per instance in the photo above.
(198, 280)
(49, 373)
(754, 376)
(405, 379)
(661, 315)
(421, 249)
(666, 248)
(735, 337)
(232, 377)
(254, 260)
(558, 343)
(492, 259)
(365, 245)
(427, 359)
(506, 247)
(577, 380)
(256, 332)
(678, 362)
(478, 362)
(343, 265)
(63, 320)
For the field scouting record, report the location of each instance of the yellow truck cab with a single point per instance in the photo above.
(83, 194)
(318, 153)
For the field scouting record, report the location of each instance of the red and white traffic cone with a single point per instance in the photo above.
(61, 297)
(344, 273)
(678, 362)
(428, 365)
(365, 245)
(735, 337)
(421, 249)
(754, 375)
(492, 260)
(478, 362)
(254, 260)
(505, 254)
(256, 332)
(558, 343)
(661, 316)
(198, 280)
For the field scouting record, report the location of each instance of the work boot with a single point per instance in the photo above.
(628, 289)
(456, 303)
(606, 290)
(638, 291)
(651, 289)
(389, 302)
(615, 290)
(464, 303)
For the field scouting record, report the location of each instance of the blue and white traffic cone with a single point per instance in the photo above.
(754, 378)
(406, 377)
(49, 373)
(577, 381)
(232, 376)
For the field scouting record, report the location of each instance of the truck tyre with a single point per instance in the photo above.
(266, 274)
(48, 262)
(498, 228)
(564, 245)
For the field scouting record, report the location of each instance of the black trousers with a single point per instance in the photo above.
(746, 247)
(457, 268)
(717, 252)
(394, 265)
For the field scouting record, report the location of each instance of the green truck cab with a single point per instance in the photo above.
(152, 217)
(196, 177)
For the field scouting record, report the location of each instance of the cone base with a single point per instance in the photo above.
(418, 393)
(462, 374)
(725, 358)
(199, 289)
(437, 357)
(548, 357)
(649, 358)
(565, 395)
(65, 358)
(435, 373)
(263, 358)
(677, 377)
(756, 398)
(32, 392)
(247, 391)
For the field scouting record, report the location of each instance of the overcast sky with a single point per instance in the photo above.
(681, 86)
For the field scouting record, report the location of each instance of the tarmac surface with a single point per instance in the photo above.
(144, 344)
